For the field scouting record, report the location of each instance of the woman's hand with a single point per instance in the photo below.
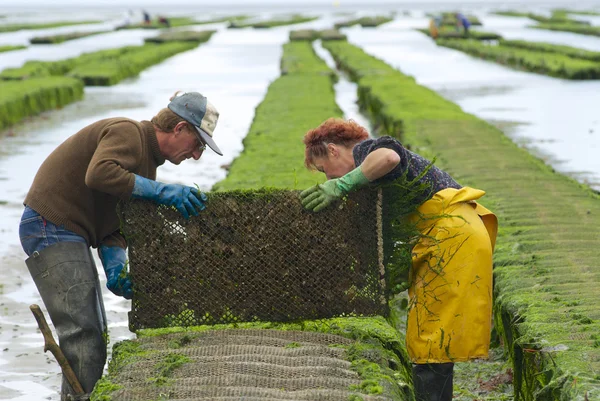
(321, 196)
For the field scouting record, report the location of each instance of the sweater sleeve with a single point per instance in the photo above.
(364, 148)
(117, 157)
(114, 239)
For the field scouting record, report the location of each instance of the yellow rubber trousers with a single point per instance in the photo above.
(450, 307)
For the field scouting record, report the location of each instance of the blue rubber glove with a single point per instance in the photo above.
(187, 200)
(321, 196)
(117, 280)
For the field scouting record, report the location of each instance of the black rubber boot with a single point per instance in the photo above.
(433, 381)
(67, 279)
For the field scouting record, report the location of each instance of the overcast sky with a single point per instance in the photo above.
(212, 4)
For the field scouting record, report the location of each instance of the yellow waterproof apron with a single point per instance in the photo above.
(450, 308)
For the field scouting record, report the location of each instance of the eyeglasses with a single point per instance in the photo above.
(201, 144)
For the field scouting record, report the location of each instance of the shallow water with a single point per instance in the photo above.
(234, 70)
(551, 116)
(556, 118)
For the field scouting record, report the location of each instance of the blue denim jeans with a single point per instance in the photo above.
(37, 233)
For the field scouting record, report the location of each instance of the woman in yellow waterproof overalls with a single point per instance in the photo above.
(450, 293)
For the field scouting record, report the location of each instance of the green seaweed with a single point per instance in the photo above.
(564, 11)
(19, 27)
(173, 22)
(300, 58)
(7, 48)
(310, 35)
(124, 352)
(379, 357)
(570, 51)
(112, 71)
(104, 67)
(555, 18)
(449, 18)
(166, 366)
(53, 39)
(21, 99)
(544, 255)
(369, 21)
(273, 148)
(103, 390)
(295, 19)
(449, 33)
(569, 27)
(540, 61)
(181, 36)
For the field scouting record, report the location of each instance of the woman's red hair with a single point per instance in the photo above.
(333, 130)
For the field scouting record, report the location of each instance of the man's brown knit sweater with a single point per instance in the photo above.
(80, 183)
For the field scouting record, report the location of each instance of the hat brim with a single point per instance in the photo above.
(207, 139)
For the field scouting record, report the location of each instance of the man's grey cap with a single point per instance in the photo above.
(198, 111)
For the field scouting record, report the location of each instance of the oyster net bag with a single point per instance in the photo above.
(238, 364)
(254, 256)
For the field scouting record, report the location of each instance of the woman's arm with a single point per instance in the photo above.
(379, 162)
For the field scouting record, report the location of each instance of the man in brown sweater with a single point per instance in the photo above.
(72, 205)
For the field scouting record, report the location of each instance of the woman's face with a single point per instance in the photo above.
(338, 162)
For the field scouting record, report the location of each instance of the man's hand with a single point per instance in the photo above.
(117, 280)
(187, 200)
(321, 196)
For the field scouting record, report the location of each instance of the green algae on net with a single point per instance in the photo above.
(570, 51)
(545, 61)
(16, 97)
(160, 361)
(545, 293)
(314, 34)
(173, 22)
(365, 22)
(181, 36)
(19, 27)
(62, 37)
(451, 33)
(295, 19)
(8, 48)
(57, 83)
(264, 250)
(280, 122)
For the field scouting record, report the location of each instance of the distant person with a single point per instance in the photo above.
(433, 30)
(164, 21)
(462, 21)
(146, 17)
(434, 26)
(71, 206)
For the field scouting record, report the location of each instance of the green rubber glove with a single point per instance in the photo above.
(323, 195)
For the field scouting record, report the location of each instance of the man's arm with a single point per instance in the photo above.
(117, 156)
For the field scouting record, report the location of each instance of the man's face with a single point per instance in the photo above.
(185, 144)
